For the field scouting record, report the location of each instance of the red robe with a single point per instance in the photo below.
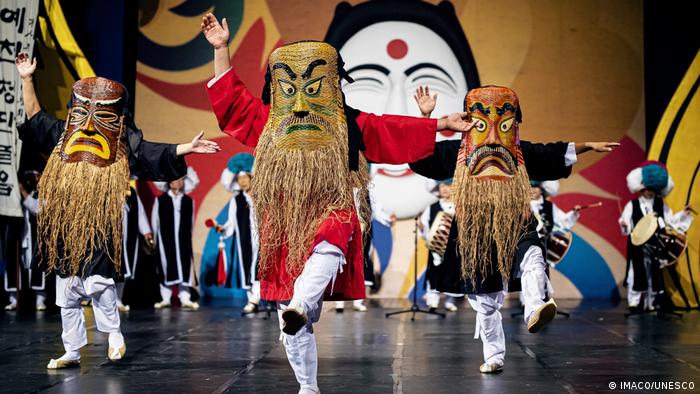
(243, 117)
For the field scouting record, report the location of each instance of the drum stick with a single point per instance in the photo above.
(594, 205)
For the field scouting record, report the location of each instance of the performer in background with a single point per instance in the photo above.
(492, 168)
(240, 225)
(372, 278)
(427, 218)
(549, 213)
(81, 198)
(135, 224)
(14, 277)
(172, 220)
(307, 171)
(652, 181)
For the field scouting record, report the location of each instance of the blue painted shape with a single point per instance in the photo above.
(587, 270)
(381, 239)
(419, 287)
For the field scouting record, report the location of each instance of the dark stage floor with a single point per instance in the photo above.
(215, 350)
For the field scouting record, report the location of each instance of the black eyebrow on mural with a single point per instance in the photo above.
(507, 107)
(370, 66)
(310, 68)
(481, 109)
(419, 66)
(285, 68)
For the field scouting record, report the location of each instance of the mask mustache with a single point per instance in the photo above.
(493, 155)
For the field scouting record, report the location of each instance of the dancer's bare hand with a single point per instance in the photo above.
(198, 145)
(602, 146)
(459, 122)
(217, 34)
(25, 66)
(426, 102)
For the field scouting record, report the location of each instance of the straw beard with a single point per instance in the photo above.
(294, 190)
(80, 212)
(491, 215)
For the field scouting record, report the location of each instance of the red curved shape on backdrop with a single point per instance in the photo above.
(246, 61)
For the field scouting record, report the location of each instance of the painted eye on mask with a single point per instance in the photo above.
(313, 87)
(480, 125)
(287, 88)
(506, 125)
(78, 115)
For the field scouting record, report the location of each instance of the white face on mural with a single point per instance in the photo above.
(389, 61)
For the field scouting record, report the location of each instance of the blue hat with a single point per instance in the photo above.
(241, 162)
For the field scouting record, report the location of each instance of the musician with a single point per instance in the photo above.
(549, 213)
(172, 220)
(652, 181)
(444, 204)
(28, 182)
(237, 178)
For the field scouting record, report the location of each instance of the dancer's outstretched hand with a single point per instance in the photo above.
(25, 66)
(603, 146)
(198, 145)
(217, 34)
(459, 122)
(426, 102)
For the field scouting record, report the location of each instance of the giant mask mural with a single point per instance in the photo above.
(392, 48)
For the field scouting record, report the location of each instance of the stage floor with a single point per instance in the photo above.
(216, 350)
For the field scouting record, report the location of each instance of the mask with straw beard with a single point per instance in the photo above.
(82, 189)
(301, 166)
(491, 187)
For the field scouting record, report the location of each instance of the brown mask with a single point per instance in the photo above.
(95, 122)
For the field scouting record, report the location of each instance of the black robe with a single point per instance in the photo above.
(542, 161)
(147, 160)
(175, 268)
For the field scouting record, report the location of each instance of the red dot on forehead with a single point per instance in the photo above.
(397, 48)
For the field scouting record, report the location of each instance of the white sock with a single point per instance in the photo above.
(116, 340)
(70, 356)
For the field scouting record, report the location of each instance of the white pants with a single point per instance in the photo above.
(254, 293)
(489, 327)
(309, 287)
(634, 298)
(70, 291)
(166, 292)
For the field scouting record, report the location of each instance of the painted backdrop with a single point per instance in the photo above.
(577, 67)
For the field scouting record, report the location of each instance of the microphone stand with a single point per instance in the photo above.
(415, 308)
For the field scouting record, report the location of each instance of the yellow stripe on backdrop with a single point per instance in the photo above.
(54, 80)
(676, 143)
